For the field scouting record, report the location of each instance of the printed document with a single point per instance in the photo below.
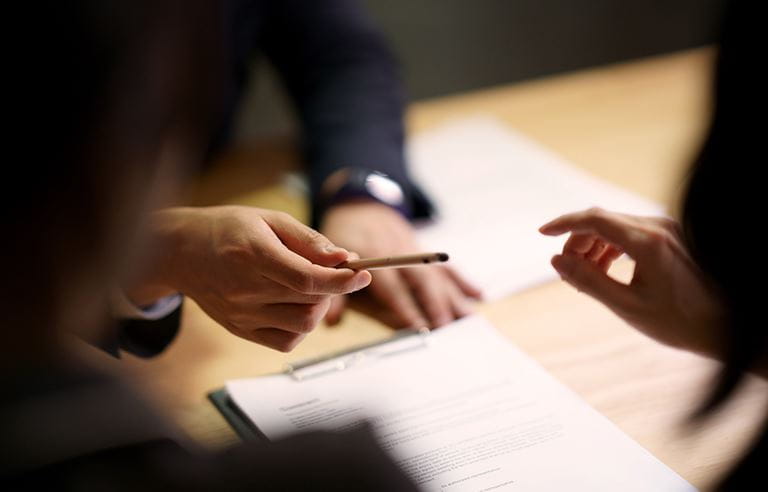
(493, 189)
(459, 409)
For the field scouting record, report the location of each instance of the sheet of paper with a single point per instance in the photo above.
(461, 410)
(493, 189)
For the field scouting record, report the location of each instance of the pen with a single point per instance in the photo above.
(395, 261)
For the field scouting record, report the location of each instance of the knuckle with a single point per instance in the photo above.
(239, 318)
(596, 215)
(280, 215)
(308, 318)
(306, 325)
(235, 327)
(287, 343)
(652, 241)
(303, 281)
(314, 236)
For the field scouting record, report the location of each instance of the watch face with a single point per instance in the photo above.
(384, 189)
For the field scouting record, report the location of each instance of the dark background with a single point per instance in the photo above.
(449, 46)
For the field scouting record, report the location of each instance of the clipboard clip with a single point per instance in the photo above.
(404, 341)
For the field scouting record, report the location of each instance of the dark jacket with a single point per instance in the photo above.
(344, 83)
(342, 79)
(63, 428)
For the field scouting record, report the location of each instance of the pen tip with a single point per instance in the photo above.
(442, 256)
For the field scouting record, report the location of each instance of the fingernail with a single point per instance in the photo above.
(363, 280)
(330, 249)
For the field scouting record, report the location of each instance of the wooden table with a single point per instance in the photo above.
(636, 124)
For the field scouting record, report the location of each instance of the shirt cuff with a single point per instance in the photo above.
(123, 308)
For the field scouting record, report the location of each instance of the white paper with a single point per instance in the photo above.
(493, 189)
(463, 410)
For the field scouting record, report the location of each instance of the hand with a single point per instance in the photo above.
(667, 298)
(407, 297)
(261, 274)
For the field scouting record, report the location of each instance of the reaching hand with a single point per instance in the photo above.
(261, 274)
(408, 297)
(667, 298)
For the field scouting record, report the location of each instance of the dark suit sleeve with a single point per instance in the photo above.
(315, 461)
(147, 338)
(143, 338)
(346, 87)
(70, 428)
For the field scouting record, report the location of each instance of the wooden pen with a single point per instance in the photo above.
(395, 261)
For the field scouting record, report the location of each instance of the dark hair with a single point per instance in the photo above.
(96, 89)
(722, 214)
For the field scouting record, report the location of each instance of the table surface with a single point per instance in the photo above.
(636, 124)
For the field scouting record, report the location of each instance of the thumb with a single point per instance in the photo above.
(306, 241)
(588, 278)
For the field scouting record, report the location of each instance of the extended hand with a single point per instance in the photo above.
(667, 298)
(260, 273)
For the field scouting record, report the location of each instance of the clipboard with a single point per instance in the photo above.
(314, 368)
(472, 408)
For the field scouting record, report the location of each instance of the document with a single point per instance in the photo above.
(459, 409)
(493, 189)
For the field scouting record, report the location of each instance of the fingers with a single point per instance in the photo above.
(428, 286)
(610, 255)
(460, 304)
(579, 244)
(298, 273)
(616, 229)
(305, 241)
(284, 262)
(338, 305)
(587, 277)
(415, 293)
(274, 338)
(393, 292)
(296, 318)
(270, 292)
(596, 251)
(593, 249)
(466, 287)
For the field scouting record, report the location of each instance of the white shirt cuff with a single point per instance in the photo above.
(122, 307)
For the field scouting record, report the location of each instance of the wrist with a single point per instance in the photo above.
(159, 277)
(367, 209)
(360, 185)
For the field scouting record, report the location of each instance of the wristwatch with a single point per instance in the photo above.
(355, 183)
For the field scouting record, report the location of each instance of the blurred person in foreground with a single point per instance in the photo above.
(697, 284)
(114, 111)
(260, 273)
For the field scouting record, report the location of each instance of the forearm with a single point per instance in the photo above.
(345, 85)
(157, 278)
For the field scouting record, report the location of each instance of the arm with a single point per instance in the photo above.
(261, 274)
(668, 298)
(142, 336)
(344, 82)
